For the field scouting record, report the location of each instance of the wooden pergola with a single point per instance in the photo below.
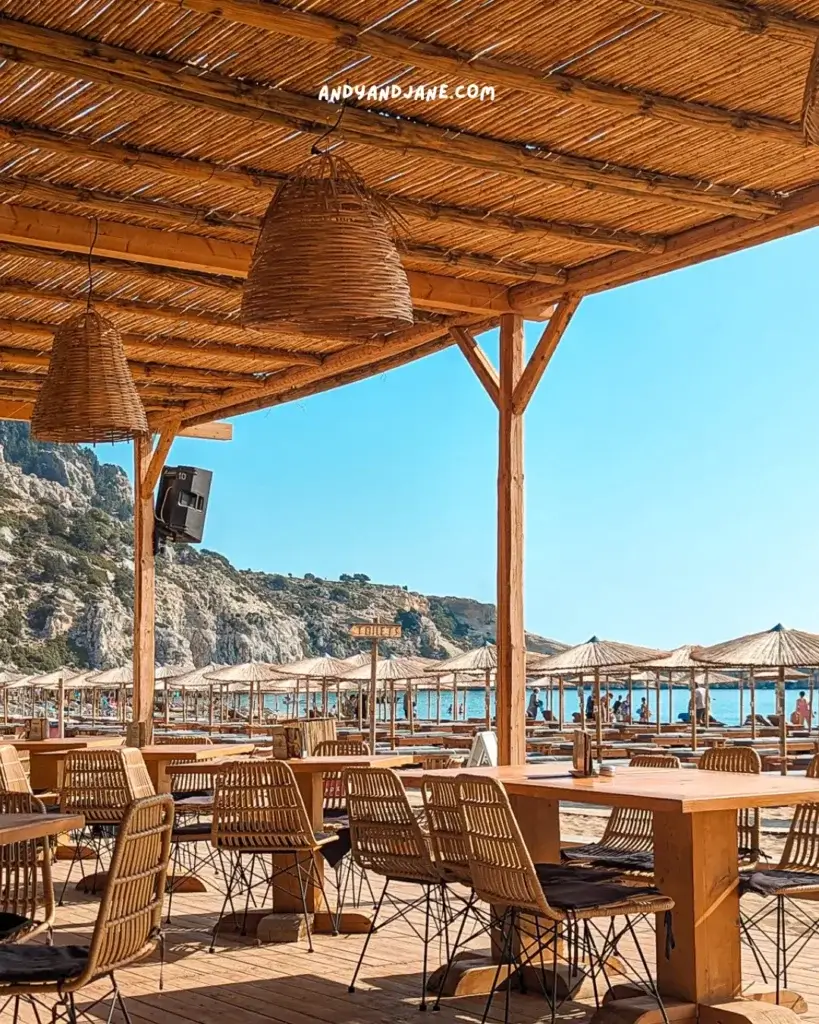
(626, 139)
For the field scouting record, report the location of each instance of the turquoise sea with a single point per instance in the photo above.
(725, 703)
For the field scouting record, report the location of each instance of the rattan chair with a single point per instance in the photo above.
(26, 887)
(387, 839)
(552, 903)
(334, 801)
(101, 785)
(746, 761)
(628, 840)
(794, 878)
(259, 813)
(127, 928)
(13, 778)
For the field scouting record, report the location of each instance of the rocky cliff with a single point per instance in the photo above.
(66, 583)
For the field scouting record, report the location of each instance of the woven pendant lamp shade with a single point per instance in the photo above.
(89, 394)
(325, 262)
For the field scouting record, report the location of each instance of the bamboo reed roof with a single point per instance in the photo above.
(391, 668)
(773, 648)
(322, 667)
(626, 138)
(680, 658)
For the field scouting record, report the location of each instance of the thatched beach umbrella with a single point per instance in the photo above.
(681, 660)
(7, 677)
(123, 675)
(253, 674)
(596, 655)
(481, 661)
(778, 648)
(322, 668)
(390, 671)
(60, 679)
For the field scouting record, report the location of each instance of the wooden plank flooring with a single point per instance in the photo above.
(246, 983)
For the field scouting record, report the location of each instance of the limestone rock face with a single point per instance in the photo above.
(66, 583)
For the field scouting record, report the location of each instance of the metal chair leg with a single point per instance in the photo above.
(373, 927)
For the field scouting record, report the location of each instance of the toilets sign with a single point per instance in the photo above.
(376, 630)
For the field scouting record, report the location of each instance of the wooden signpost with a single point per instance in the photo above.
(374, 631)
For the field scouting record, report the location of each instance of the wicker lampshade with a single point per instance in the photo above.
(325, 262)
(89, 394)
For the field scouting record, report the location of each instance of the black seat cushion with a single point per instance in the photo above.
(568, 888)
(196, 830)
(22, 963)
(187, 795)
(610, 857)
(769, 883)
(13, 924)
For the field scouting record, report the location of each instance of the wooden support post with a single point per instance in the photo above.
(144, 591)
(511, 671)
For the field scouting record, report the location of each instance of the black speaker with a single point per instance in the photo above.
(182, 502)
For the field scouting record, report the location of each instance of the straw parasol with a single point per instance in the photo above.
(479, 661)
(254, 674)
(390, 671)
(595, 655)
(196, 680)
(322, 668)
(680, 660)
(778, 648)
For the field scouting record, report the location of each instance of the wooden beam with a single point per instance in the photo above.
(225, 287)
(239, 177)
(739, 14)
(511, 638)
(165, 312)
(209, 431)
(61, 231)
(16, 409)
(479, 361)
(144, 657)
(353, 375)
(22, 188)
(810, 100)
(257, 358)
(707, 241)
(139, 371)
(159, 456)
(286, 384)
(470, 67)
(155, 76)
(544, 350)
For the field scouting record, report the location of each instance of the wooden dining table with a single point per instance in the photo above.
(47, 757)
(19, 828)
(283, 921)
(160, 756)
(695, 862)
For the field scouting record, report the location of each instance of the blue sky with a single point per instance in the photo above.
(671, 465)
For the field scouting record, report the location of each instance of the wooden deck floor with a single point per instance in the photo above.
(246, 983)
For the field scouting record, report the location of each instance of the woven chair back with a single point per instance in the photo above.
(13, 778)
(500, 863)
(26, 886)
(631, 829)
(186, 783)
(334, 799)
(450, 849)
(128, 923)
(257, 805)
(385, 834)
(102, 784)
(801, 851)
(746, 761)
(438, 762)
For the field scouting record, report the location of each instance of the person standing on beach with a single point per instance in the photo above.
(535, 704)
(699, 704)
(644, 712)
(803, 711)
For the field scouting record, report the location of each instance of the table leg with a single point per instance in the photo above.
(285, 923)
(696, 863)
